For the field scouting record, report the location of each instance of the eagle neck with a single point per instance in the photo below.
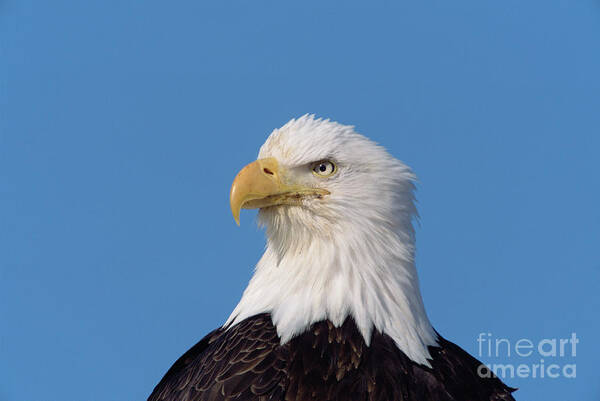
(367, 273)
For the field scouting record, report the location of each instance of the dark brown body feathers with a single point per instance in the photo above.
(326, 363)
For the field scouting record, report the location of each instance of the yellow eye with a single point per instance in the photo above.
(324, 168)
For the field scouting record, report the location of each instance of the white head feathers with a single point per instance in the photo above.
(350, 253)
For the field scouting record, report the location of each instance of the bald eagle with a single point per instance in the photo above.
(333, 311)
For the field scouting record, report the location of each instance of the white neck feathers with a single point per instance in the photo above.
(365, 273)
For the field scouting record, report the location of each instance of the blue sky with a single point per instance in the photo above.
(123, 123)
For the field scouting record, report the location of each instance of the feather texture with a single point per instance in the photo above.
(326, 363)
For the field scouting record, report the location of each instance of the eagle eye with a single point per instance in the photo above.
(324, 168)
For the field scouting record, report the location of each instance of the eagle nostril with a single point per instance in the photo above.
(267, 171)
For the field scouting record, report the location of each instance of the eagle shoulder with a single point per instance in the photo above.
(240, 363)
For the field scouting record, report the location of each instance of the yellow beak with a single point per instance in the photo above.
(260, 184)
